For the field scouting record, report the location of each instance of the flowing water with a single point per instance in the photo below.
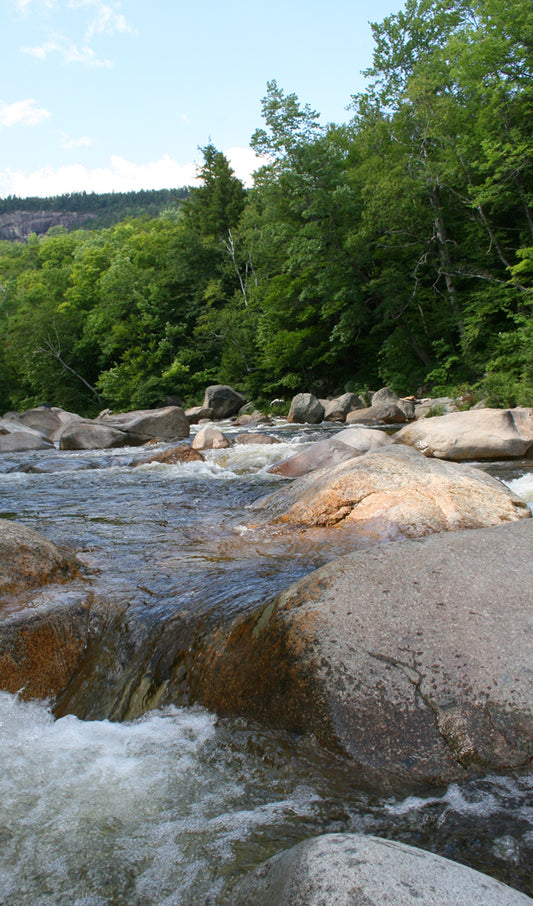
(173, 806)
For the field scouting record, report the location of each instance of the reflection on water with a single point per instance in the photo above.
(173, 807)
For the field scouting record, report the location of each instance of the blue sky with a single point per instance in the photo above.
(103, 95)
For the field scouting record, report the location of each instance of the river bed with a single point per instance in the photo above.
(175, 805)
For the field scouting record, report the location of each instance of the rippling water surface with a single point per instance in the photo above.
(173, 807)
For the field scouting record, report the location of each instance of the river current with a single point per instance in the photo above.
(173, 806)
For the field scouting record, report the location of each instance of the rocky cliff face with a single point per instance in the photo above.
(21, 224)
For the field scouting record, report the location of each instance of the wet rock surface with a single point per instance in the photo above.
(352, 870)
(29, 559)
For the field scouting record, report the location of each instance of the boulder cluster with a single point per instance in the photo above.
(411, 656)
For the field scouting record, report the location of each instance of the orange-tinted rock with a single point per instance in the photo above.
(173, 455)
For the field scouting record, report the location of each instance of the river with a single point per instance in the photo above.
(171, 806)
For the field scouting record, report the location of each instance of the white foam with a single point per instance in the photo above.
(140, 812)
(523, 487)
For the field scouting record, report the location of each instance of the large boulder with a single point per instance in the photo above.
(29, 559)
(42, 419)
(91, 435)
(353, 870)
(413, 658)
(478, 434)
(380, 413)
(16, 437)
(395, 493)
(331, 451)
(223, 400)
(337, 409)
(305, 409)
(198, 413)
(142, 425)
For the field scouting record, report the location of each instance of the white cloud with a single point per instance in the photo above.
(120, 176)
(22, 113)
(70, 143)
(244, 162)
(70, 52)
(99, 18)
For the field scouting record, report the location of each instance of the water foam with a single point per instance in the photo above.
(135, 813)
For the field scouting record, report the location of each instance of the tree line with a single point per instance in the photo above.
(393, 249)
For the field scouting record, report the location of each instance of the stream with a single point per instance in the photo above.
(116, 804)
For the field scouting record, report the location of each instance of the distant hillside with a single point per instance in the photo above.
(20, 217)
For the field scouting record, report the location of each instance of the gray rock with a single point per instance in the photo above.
(385, 395)
(337, 409)
(223, 400)
(475, 434)
(413, 658)
(353, 870)
(380, 413)
(306, 409)
(89, 435)
(43, 420)
(167, 423)
(331, 451)
(197, 413)
(16, 438)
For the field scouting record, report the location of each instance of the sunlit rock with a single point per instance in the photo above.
(475, 434)
(210, 439)
(395, 493)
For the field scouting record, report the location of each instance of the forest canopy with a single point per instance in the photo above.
(393, 249)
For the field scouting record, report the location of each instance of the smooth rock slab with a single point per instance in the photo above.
(414, 658)
(353, 870)
(476, 434)
(167, 423)
(91, 435)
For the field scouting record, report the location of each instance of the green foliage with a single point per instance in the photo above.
(396, 249)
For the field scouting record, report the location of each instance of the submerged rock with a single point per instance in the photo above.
(173, 455)
(412, 658)
(255, 438)
(354, 870)
(475, 434)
